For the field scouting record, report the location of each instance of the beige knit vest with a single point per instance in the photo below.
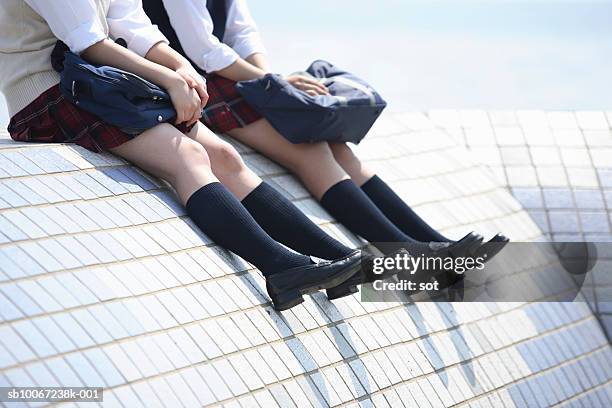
(26, 43)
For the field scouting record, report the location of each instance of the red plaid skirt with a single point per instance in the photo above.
(52, 119)
(226, 108)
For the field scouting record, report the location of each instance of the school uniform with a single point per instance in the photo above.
(29, 30)
(212, 34)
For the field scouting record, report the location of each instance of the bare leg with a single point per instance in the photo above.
(322, 166)
(168, 154)
(275, 214)
(359, 172)
(226, 163)
(313, 163)
(392, 205)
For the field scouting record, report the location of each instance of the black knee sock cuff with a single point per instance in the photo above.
(337, 190)
(193, 202)
(371, 183)
(262, 190)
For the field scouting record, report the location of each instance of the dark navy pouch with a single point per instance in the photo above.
(344, 116)
(117, 97)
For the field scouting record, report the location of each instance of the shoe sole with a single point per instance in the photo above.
(295, 297)
(469, 246)
(342, 290)
(347, 289)
(497, 247)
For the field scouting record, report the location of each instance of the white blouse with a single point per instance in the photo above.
(76, 23)
(194, 28)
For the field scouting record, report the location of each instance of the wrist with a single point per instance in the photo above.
(172, 80)
(182, 63)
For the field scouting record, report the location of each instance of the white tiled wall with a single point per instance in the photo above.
(105, 282)
(558, 165)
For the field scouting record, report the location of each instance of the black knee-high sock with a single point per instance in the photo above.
(353, 208)
(221, 216)
(284, 222)
(399, 213)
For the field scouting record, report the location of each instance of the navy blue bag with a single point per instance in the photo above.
(344, 116)
(117, 97)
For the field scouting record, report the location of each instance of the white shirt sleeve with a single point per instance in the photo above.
(194, 28)
(126, 19)
(75, 22)
(240, 31)
(193, 25)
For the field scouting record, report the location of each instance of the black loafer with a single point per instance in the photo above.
(286, 288)
(486, 250)
(461, 248)
(365, 275)
(492, 247)
(465, 247)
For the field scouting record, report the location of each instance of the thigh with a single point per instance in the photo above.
(261, 136)
(214, 145)
(157, 150)
(167, 153)
(313, 163)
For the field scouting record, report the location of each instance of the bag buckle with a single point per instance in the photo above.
(74, 95)
(80, 88)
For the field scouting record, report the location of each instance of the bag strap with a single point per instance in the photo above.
(345, 81)
(353, 84)
(342, 99)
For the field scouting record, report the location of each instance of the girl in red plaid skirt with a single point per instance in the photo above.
(207, 173)
(221, 38)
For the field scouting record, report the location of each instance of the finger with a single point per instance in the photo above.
(310, 81)
(180, 116)
(197, 117)
(311, 92)
(192, 119)
(322, 87)
(315, 89)
(197, 114)
(190, 81)
(203, 94)
(204, 100)
(197, 109)
(317, 84)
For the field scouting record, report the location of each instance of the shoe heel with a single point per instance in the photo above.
(341, 291)
(287, 300)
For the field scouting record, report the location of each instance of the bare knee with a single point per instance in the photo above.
(166, 153)
(191, 157)
(225, 159)
(194, 154)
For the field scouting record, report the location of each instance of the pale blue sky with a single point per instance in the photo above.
(428, 54)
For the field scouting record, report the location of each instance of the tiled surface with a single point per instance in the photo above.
(105, 282)
(558, 165)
